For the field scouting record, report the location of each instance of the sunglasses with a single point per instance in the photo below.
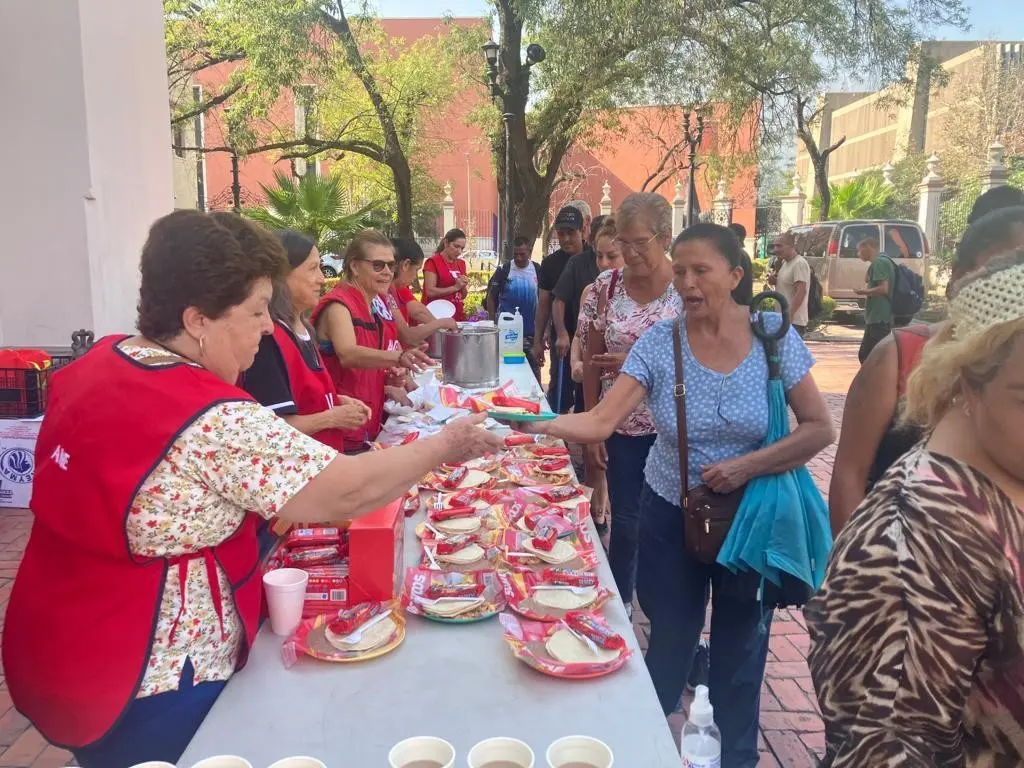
(380, 265)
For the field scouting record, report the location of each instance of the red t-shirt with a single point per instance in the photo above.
(447, 273)
(402, 296)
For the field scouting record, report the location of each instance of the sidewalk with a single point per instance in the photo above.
(792, 734)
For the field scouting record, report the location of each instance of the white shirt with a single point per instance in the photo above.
(794, 271)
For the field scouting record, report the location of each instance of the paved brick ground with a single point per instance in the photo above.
(791, 730)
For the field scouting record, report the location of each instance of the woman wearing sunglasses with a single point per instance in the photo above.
(359, 336)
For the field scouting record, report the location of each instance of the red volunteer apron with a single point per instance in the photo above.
(83, 611)
(311, 387)
(447, 274)
(373, 330)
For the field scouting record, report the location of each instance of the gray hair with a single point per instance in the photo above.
(650, 208)
(581, 206)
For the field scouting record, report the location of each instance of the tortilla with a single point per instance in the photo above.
(565, 647)
(448, 609)
(458, 525)
(508, 410)
(482, 464)
(564, 599)
(562, 552)
(473, 478)
(374, 637)
(471, 553)
(572, 503)
(448, 502)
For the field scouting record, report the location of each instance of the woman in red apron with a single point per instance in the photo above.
(445, 274)
(151, 470)
(360, 338)
(418, 323)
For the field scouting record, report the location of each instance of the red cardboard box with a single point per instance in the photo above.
(376, 554)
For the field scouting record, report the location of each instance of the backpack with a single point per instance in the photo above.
(496, 287)
(814, 294)
(907, 295)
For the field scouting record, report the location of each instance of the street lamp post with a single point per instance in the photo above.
(534, 55)
(692, 135)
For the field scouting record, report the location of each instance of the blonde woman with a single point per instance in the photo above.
(916, 650)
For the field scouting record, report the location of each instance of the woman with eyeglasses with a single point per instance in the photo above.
(359, 336)
(623, 304)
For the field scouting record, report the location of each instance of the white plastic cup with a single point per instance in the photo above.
(286, 591)
(406, 752)
(501, 748)
(223, 761)
(154, 764)
(579, 749)
(299, 762)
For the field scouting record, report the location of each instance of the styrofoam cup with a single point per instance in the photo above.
(286, 591)
(501, 748)
(422, 748)
(154, 764)
(579, 749)
(299, 762)
(223, 761)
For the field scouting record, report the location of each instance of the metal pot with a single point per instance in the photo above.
(435, 343)
(469, 356)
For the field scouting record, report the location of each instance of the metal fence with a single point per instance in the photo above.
(953, 212)
(767, 226)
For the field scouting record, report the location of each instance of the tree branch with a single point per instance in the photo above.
(206, 106)
(316, 146)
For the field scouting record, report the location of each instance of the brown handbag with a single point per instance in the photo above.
(707, 516)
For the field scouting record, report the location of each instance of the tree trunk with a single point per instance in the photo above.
(402, 176)
(819, 157)
(821, 185)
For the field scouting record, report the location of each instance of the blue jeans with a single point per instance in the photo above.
(155, 728)
(673, 590)
(626, 459)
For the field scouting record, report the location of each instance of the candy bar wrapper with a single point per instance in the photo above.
(518, 439)
(346, 621)
(509, 513)
(411, 502)
(526, 638)
(300, 640)
(544, 538)
(311, 537)
(518, 586)
(419, 581)
(561, 577)
(297, 558)
(511, 540)
(440, 515)
(448, 546)
(535, 495)
(433, 481)
(492, 556)
(503, 401)
(455, 477)
(588, 625)
(548, 451)
(553, 465)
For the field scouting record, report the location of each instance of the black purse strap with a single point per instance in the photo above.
(680, 397)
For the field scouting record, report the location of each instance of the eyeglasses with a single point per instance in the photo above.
(380, 265)
(641, 246)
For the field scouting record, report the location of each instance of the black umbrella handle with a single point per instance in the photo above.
(768, 338)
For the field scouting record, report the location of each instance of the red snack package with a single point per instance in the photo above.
(411, 504)
(545, 538)
(410, 438)
(454, 544)
(549, 450)
(587, 626)
(449, 514)
(307, 537)
(561, 493)
(438, 589)
(312, 556)
(455, 477)
(519, 439)
(553, 465)
(348, 621)
(464, 498)
(567, 578)
(504, 401)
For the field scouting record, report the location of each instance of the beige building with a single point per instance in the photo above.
(887, 125)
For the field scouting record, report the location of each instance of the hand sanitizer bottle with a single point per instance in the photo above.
(701, 741)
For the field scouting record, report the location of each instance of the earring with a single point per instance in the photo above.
(966, 407)
(202, 346)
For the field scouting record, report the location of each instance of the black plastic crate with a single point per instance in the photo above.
(23, 392)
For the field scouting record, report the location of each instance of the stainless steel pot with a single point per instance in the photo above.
(469, 356)
(435, 343)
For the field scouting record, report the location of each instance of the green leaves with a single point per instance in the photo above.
(866, 197)
(318, 206)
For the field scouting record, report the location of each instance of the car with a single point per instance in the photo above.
(830, 248)
(331, 265)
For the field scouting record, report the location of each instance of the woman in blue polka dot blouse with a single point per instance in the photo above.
(726, 374)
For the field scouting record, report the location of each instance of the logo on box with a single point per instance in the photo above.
(17, 465)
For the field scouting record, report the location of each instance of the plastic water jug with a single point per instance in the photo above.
(510, 337)
(701, 741)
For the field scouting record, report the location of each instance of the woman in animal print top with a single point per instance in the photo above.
(917, 632)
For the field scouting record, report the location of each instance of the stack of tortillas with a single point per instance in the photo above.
(469, 554)
(565, 598)
(448, 502)
(457, 525)
(565, 647)
(562, 552)
(474, 478)
(449, 609)
(374, 637)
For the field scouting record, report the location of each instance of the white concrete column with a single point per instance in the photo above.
(722, 204)
(996, 174)
(887, 171)
(793, 204)
(930, 206)
(448, 207)
(87, 130)
(606, 199)
(678, 210)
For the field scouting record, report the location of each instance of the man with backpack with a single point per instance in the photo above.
(878, 309)
(793, 280)
(514, 285)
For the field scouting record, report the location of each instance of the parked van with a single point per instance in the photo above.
(830, 247)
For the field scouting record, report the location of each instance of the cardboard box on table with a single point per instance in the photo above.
(17, 461)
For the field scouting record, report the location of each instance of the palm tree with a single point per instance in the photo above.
(867, 197)
(318, 206)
